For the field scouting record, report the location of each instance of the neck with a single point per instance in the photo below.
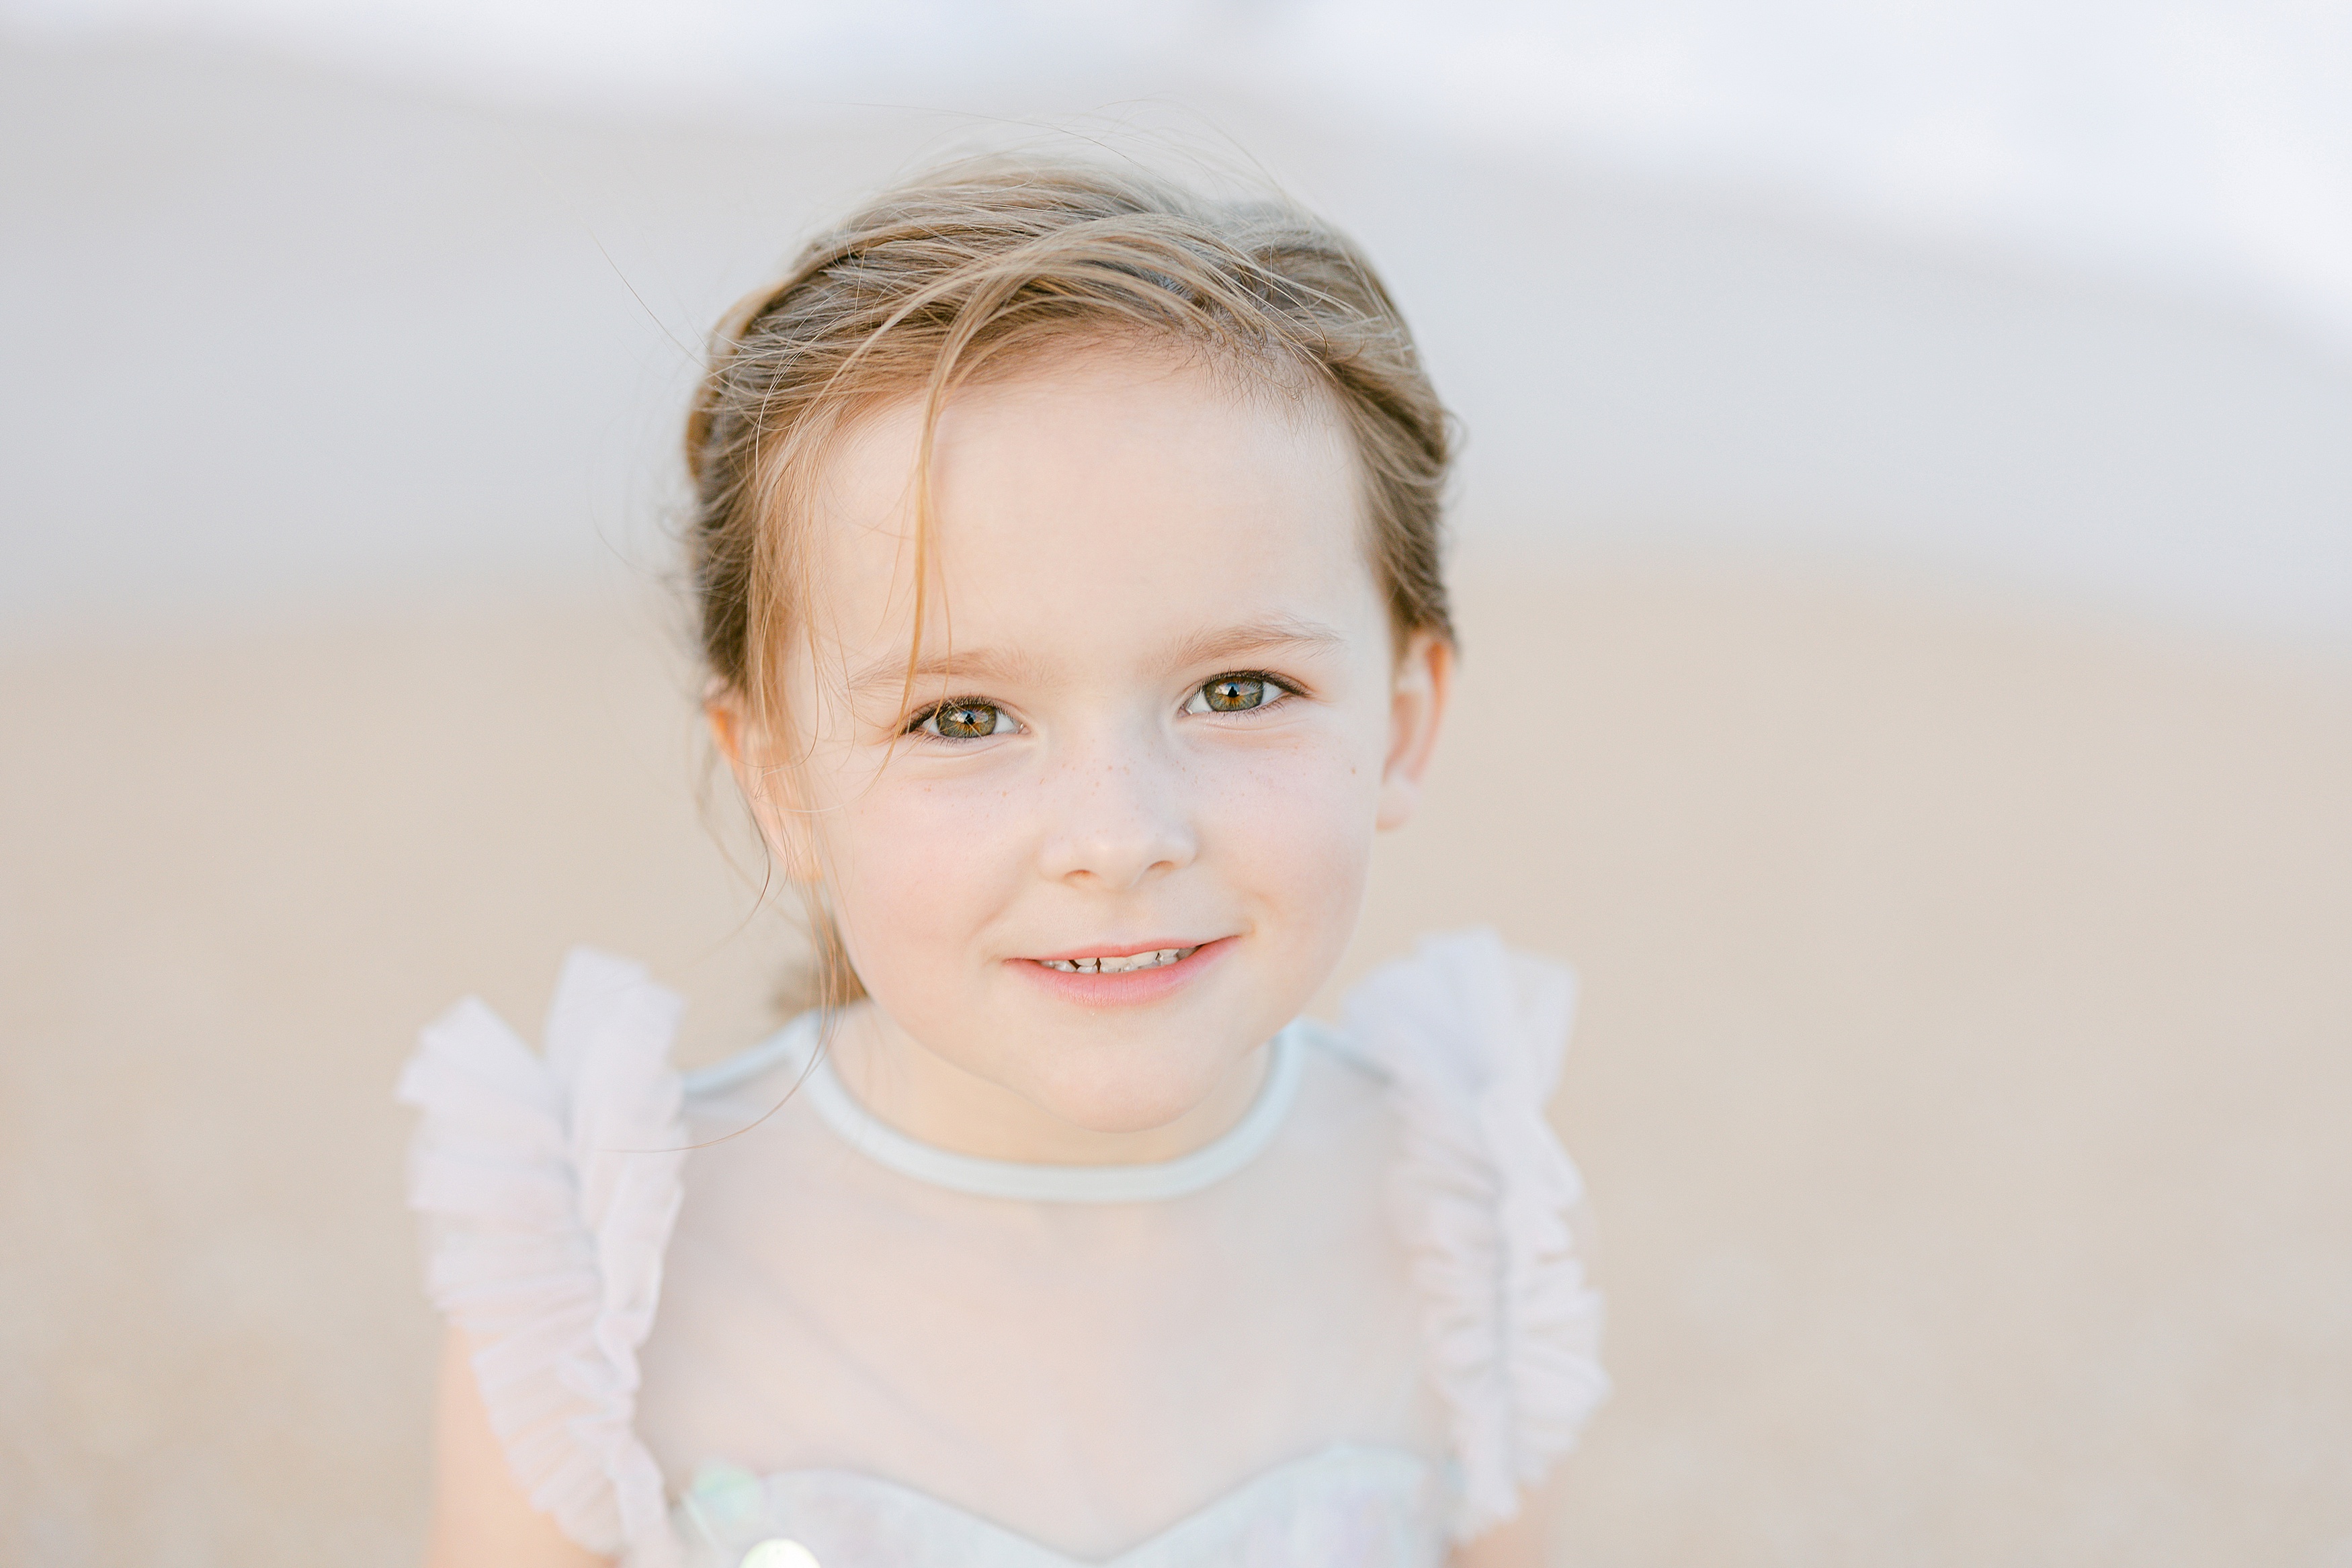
(932, 1100)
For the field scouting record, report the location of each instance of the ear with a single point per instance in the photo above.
(1424, 679)
(767, 784)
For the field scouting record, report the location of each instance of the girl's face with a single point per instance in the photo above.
(1116, 833)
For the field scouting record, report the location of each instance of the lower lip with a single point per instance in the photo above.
(1129, 988)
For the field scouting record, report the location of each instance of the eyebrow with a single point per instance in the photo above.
(987, 666)
(982, 665)
(1275, 633)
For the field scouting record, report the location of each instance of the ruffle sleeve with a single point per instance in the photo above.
(548, 1186)
(1471, 1036)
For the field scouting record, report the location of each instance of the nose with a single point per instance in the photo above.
(1116, 819)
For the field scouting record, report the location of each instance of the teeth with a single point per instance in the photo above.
(1118, 966)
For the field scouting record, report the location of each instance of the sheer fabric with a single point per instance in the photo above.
(1343, 1334)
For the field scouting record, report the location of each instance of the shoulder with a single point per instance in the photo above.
(1470, 1036)
(1466, 1015)
(549, 1182)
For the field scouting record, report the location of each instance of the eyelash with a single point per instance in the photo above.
(915, 724)
(1288, 689)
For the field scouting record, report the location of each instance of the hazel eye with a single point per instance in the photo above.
(961, 721)
(1238, 693)
(1234, 693)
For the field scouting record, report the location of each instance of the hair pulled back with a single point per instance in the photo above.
(984, 265)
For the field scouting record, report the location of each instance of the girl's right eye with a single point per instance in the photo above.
(961, 720)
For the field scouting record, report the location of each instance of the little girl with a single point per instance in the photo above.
(1067, 549)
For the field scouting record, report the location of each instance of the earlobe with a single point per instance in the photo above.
(765, 786)
(1424, 679)
(720, 712)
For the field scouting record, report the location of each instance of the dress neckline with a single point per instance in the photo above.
(726, 1506)
(1212, 1163)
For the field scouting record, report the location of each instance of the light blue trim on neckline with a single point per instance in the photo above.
(788, 1043)
(886, 1146)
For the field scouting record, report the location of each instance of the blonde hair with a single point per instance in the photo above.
(981, 268)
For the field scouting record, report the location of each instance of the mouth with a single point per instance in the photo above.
(1120, 963)
(1138, 975)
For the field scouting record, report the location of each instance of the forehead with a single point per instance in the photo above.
(1090, 501)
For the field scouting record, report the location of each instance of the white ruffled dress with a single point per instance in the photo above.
(1347, 1333)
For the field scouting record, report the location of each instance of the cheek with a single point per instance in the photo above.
(1295, 829)
(926, 862)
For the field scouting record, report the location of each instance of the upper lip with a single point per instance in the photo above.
(1073, 954)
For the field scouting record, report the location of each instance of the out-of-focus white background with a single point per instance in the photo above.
(1905, 560)
(2059, 294)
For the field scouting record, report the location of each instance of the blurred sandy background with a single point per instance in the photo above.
(1911, 677)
